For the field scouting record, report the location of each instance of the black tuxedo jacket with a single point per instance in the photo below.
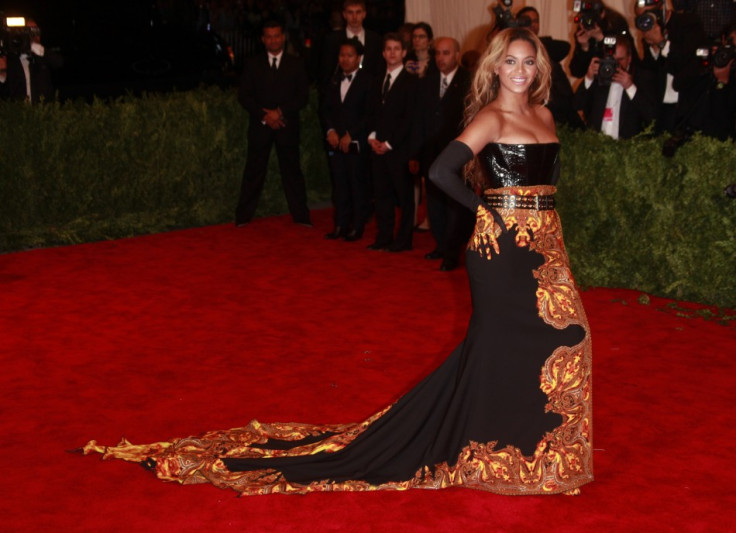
(372, 59)
(14, 87)
(439, 120)
(635, 114)
(686, 34)
(393, 118)
(350, 115)
(286, 88)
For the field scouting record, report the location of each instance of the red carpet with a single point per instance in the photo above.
(173, 334)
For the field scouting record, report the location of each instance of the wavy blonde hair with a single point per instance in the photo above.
(485, 86)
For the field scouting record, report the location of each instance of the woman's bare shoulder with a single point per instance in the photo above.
(484, 128)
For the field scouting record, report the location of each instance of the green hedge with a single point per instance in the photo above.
(633, 218)
(78, 172)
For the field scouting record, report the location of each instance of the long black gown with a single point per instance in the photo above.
(509, 411)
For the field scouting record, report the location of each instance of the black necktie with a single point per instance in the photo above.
(386, 86)
(273, 65)
(348, 77)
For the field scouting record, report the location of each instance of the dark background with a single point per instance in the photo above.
(111, 47)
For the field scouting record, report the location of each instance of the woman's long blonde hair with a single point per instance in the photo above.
(485, 86)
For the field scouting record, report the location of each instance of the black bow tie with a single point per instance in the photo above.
(348, 77)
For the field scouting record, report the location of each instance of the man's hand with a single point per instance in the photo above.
(722, 74)
(273, 118)
(583, 36)
(332, 139)
(345, 141)
(378, 147)
(623, 77)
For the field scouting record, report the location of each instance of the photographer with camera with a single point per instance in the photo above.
(670, 43)
(595, 21)
(616, 97)
(27, 73)
(713, 111)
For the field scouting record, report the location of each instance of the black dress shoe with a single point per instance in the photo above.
(448, 263)
(434, 254)
(399, 248)
(377, 246)
(354, 236)
(338, 233)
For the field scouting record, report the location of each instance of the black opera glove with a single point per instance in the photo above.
(446, 173)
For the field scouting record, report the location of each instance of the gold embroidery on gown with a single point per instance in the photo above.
(561, 462)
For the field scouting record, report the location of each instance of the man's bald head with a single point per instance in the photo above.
(446, 54)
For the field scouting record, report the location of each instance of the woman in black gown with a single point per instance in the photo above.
(509, 411)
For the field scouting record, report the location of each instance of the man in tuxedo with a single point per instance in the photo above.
(26, 74)
(274, 89)
(390, 141)
(354, 14)
(670, 46)
(439, 120)
(714, 110)
(606, 22)
(344, 114)
(624, 104)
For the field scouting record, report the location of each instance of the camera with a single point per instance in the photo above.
(723, 54)
(719, 56)
(504, 18)
(608, 65)
(588, 13)
(15, 36)
(648, 19)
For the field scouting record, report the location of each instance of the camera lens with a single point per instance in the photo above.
(606, 70)
(645, 21)
(722, 56)
(588, 22)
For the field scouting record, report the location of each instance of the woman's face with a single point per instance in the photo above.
(518, 67)
(419, 40)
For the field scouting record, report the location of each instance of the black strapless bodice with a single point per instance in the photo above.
(520, 165)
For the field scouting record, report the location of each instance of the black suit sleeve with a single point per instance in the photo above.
(420, 125)
(247, 90)
(401, 134)
(583, 97)
(645, 99)
(358, 97)
(300, 89)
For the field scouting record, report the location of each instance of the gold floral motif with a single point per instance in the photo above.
(485, 234)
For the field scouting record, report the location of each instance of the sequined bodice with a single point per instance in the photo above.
(519, 165)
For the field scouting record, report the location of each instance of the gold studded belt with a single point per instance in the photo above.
(512, 201)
